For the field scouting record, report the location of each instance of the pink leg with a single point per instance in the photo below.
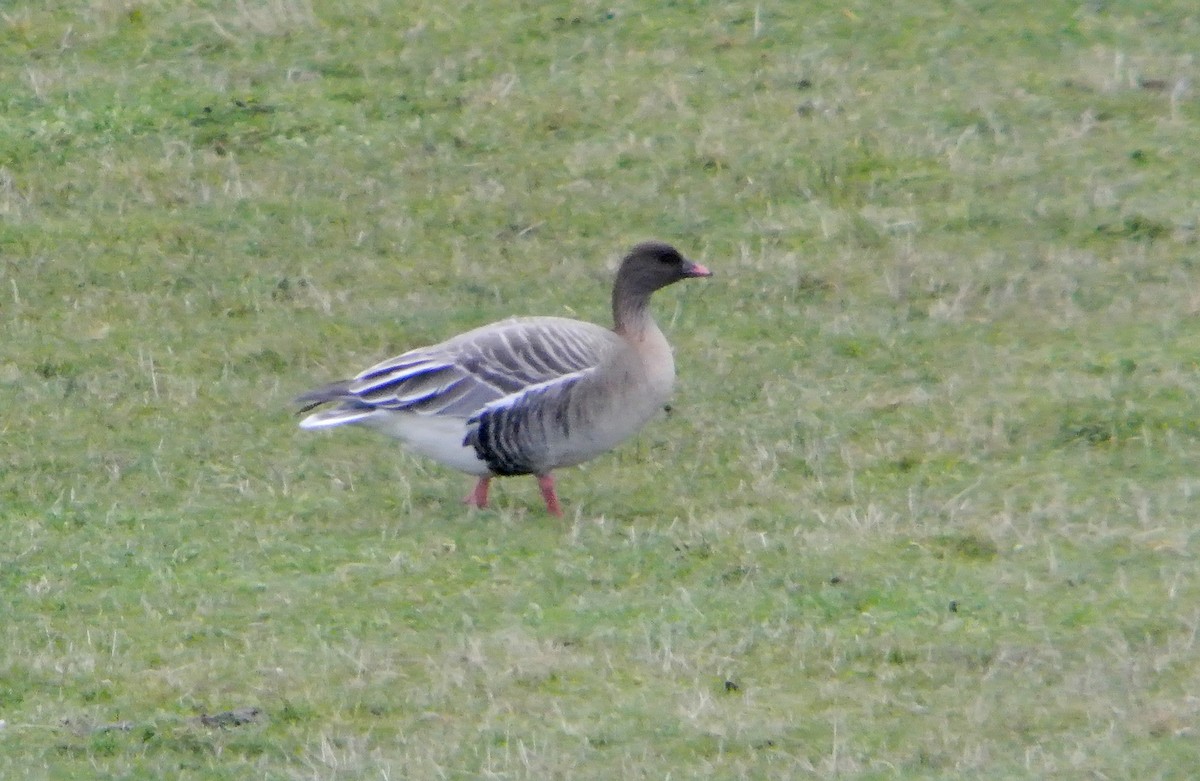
(546, 483)
(478, 497)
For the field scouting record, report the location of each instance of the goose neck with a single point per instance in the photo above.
(631, 311)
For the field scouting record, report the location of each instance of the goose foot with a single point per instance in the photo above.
(546, 484)
(478, 496)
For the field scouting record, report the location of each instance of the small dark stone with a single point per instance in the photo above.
(232, 718)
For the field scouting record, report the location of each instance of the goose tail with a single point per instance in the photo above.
(349, 410)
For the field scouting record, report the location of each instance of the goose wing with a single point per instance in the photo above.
(463, 374)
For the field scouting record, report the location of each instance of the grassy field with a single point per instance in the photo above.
(926, 503)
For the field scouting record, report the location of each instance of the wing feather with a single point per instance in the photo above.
(462, 375)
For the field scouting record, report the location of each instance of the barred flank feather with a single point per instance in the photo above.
(511, 434)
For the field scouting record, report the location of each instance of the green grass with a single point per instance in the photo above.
(925, 504)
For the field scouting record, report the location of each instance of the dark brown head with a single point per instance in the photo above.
(649, 266)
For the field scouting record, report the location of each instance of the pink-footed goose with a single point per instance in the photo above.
(525, 395)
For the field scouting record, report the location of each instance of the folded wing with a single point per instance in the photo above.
(459, 377)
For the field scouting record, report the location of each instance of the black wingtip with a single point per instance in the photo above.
(310, 400)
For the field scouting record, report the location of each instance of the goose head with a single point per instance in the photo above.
(649, 266)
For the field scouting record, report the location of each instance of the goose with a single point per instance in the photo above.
(527, 395)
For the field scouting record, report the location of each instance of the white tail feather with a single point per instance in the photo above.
(334, 417)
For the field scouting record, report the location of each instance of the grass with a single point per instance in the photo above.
(924, 507)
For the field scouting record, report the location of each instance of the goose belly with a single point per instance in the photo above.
(602, 433)
(434, 436)
(603, 418)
